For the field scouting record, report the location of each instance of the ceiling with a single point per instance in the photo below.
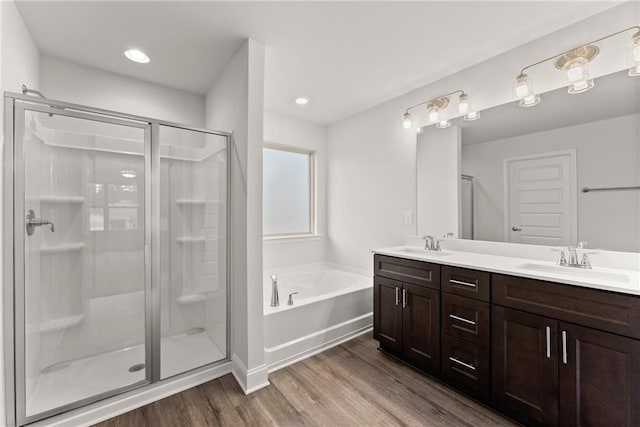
(345, 56)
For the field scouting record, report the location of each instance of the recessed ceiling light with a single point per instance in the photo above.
(302, 100)
(136, 56)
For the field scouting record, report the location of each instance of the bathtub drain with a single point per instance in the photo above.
(137, 367)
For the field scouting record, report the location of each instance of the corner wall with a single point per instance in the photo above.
(280, 252)
(235, 102)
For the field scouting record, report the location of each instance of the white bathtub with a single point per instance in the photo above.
(331, 307)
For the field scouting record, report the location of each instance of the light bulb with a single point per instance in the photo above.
(522, 87)
(472, 115)
(463, 103)
(406, 121)
(433, 114)
(137, 56)
(576, 73)
(443, 124)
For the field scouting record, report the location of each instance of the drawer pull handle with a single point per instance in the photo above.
(397, 296)
(462, 319)
(459, 282)
(460, 362)
(404, 298)
(564, 347)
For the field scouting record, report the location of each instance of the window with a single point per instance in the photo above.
(288, 182)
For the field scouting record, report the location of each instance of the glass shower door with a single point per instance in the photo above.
(81, 276)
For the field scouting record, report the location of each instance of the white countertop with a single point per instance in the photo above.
(607, 279)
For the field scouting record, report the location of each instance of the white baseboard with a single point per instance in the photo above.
(284, 355)
(249, 380)
(113, 406)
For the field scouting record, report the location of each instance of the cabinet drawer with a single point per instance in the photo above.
(407, 270)
(465, 282)
(466, 365)
(603, 310)
(466, 318)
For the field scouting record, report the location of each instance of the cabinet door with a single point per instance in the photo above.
(421, 326)
(387, 314)
(599, 378)
(525, 366)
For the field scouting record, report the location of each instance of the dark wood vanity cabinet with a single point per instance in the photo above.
(544, 353)
(406, 318)
(550, 371)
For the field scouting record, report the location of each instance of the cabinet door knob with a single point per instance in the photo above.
(516, 228)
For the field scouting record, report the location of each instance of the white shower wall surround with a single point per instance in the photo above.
(86, 306)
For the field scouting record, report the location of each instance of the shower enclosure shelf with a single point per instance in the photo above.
(61, 324)
(58, 200)
(62, 248)
(191, 298)
(192, 202)
(189, 239)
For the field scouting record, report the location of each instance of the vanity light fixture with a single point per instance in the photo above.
(137, 55)
(406, 121)
(436, 105)
(574, 64)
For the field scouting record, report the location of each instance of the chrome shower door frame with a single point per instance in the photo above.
(13, 246)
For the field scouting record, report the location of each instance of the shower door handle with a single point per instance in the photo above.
(32, 222)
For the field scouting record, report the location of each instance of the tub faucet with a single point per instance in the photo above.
(290, 302)
(275, 300)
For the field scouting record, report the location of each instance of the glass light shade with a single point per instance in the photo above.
(576, 73)
(443, 124)
(406, 121)
(530, 101)
(581, 86)
(433, 115)
(522, 87)
(472, 115)
(463, 103)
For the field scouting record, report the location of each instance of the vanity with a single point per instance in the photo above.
(545, 345)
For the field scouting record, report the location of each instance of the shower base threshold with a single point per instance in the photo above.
(82, 378)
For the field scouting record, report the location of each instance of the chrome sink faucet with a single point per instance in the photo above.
(573, 258)
(275, 299)
(430, 243)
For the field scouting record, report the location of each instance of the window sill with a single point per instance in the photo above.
(292, 239)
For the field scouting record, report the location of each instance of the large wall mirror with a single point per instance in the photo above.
(564, 171)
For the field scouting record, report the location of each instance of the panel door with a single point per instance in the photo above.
(421, 326)
(387, 318)
(599, 378)
(525, 366)
(541, 200)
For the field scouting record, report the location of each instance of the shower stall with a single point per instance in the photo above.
(115, 253)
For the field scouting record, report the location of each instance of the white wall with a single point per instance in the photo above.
(235, 103)
(70, 82)
(438, 151)
(607, 156)
(280, 252)
(19, 64)
(372, 172)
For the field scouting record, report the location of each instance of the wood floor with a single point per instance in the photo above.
(353, 384)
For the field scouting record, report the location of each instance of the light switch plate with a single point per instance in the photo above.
(408, 217)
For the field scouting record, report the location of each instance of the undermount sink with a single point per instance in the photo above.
(576, 272)
(418, 251)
